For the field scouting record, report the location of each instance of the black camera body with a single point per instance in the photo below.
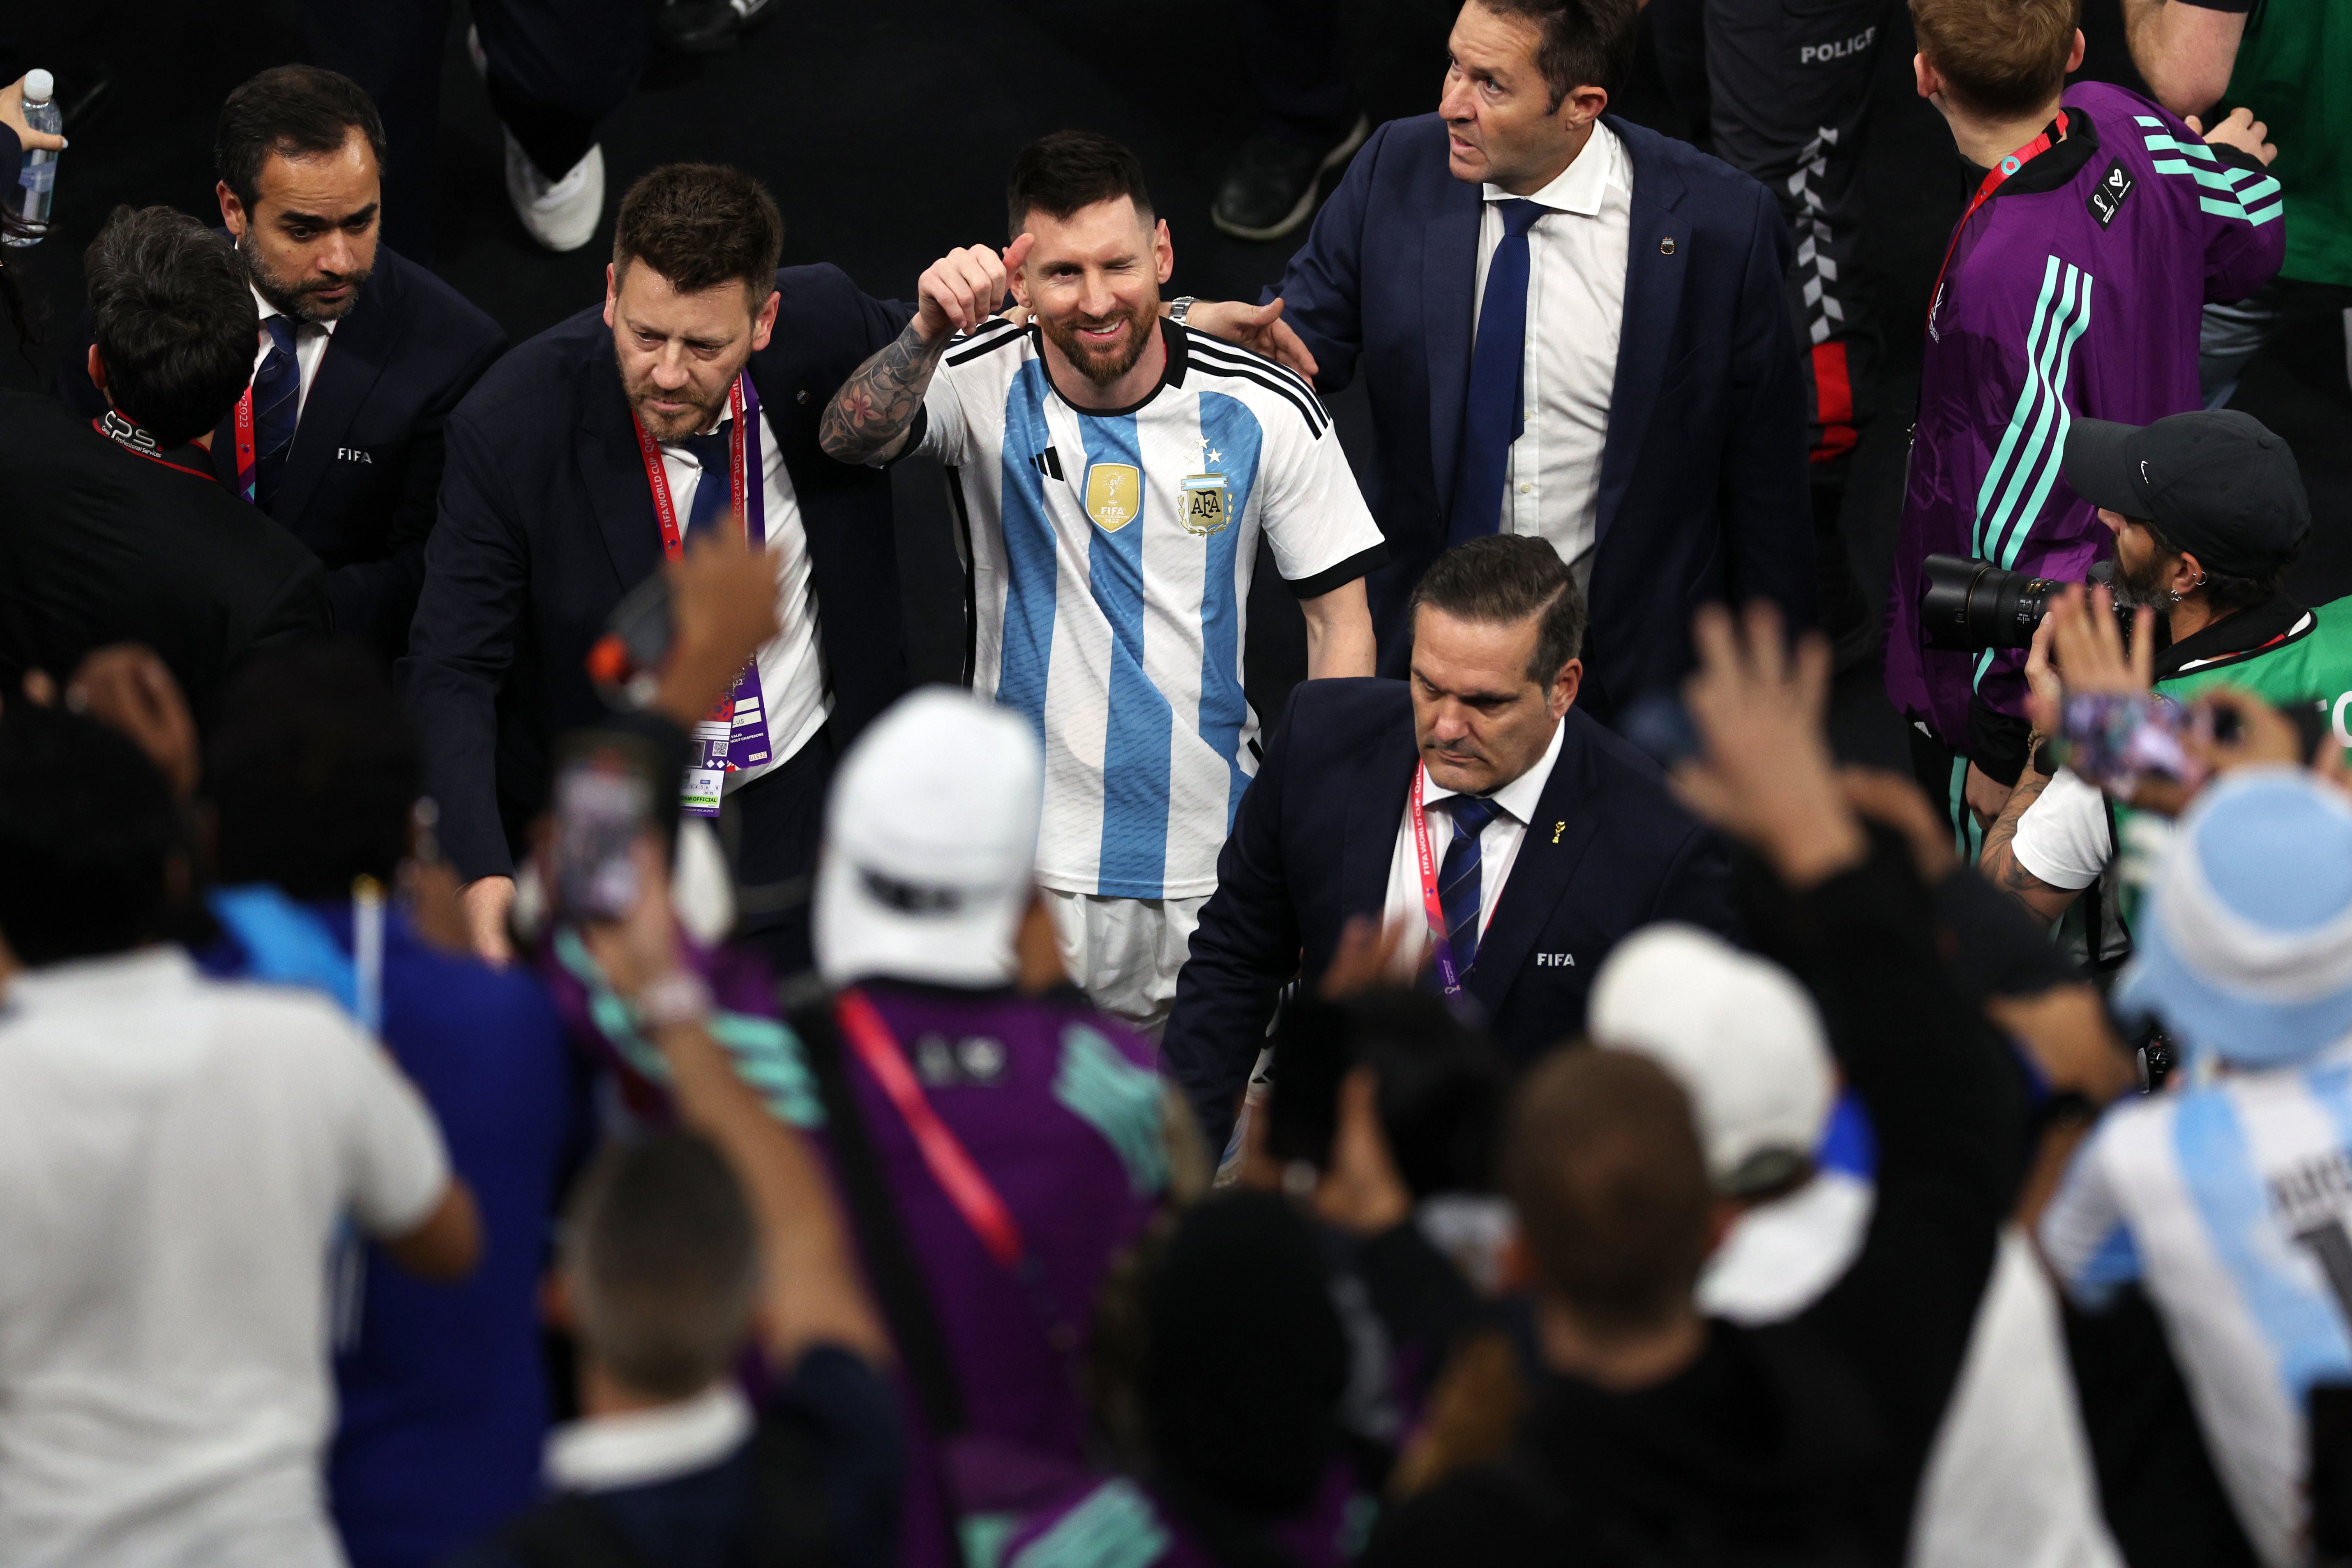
(1968, 606)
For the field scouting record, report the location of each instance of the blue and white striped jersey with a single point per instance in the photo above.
(1110, 556)
(2231, 1205)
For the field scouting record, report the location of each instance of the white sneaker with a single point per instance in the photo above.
(561, 214)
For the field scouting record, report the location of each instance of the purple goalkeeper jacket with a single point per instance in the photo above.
(2072, 292)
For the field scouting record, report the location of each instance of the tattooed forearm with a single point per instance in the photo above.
(870, 416)
(1998, 861)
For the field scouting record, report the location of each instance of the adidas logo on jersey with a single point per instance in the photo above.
(1048, 463)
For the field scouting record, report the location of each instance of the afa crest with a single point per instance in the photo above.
(1204, 503)
(1114, 495)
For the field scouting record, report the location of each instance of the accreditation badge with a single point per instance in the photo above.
(1114, 495)
(1204, 503)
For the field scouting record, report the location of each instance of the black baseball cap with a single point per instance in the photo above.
(2215, 483)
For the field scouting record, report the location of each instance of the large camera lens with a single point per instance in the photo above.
(1970, 605)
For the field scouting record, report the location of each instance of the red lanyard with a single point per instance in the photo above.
(949, 1165)
(246, 466)
(665, 509)
(1432, 907)
(1994, 179)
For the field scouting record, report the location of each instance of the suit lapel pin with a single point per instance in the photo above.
(1666, 246)
(1557, 829)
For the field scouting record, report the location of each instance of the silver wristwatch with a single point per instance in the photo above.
(1177, 308)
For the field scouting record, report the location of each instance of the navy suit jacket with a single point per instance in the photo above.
(547, 521)
(1703, 474)
(361, 478)
(1610, 851)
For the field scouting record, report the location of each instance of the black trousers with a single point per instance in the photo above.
(557, 70)
(771, 828)
(1291, 49)
(1779, 90)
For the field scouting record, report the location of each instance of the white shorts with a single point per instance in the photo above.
(1124, 953)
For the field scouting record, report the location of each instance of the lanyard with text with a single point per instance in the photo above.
(962, 1181)
(246, 467)
(1449, 977)
(138, 442)
(734, 733)
(1993, 180)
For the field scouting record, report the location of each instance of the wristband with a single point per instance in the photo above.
(678, 997)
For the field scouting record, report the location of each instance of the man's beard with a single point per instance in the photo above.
(693, 419)
(2143, 589)
(299, 303)
(1093, 363)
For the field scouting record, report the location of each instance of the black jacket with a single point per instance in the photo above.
(1610, 852)
(361, 478)
(547, 521)
(1800, 1441)
(99, 544)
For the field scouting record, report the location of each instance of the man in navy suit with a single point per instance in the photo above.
(1570, 327)
(1540, 839)
(689, 401)
(362, 354)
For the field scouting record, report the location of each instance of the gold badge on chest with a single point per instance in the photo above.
(1114, 495)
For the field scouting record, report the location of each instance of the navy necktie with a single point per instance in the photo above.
(277, 404)
(1457, 877)
(1494, 412)
(715, 491)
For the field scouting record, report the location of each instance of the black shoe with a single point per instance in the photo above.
(1272, 186)
(707, 27)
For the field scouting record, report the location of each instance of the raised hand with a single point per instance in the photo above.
(1259, 328)
(1764, 771)
(965, 287)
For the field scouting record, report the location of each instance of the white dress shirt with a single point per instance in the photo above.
(1498, 846)
(309, 348)
(792, 663)
(1576, 302)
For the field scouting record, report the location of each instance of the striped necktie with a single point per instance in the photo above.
(1458, 878)
(276, 405)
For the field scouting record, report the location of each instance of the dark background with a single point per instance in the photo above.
(886, 131)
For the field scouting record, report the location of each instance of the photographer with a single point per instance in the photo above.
(2208, 511)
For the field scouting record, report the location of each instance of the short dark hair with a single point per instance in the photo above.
(173, 319)
(1999, 56)
(87, 831)
(1503, 579)
(1586, 43)
(1604, 1163)
(2227, 592)
(1068, 171)
(701, 225)
(293, 111)
(662, 1263)
(311, 770)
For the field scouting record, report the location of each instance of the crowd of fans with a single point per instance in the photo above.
(1043, 1126)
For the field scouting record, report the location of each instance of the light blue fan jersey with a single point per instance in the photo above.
(2231, 1205)
(1110, 556)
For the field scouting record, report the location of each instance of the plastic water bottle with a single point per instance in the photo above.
(38, 181)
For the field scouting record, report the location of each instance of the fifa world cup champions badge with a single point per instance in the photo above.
(1114, 495)
(1205, 496)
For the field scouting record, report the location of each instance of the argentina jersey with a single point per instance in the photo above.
(2231, 1206)
(1110, 556)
